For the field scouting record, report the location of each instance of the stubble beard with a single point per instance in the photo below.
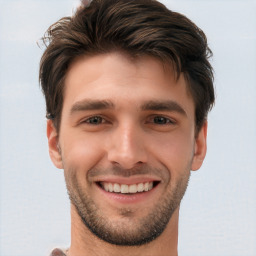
(128, 230)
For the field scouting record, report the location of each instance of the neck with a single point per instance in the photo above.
(83, 242)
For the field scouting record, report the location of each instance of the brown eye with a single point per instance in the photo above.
(94, 120)
(162, 120)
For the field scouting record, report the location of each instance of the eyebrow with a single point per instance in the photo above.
(168, 105)
(156, 105)
(91, 105)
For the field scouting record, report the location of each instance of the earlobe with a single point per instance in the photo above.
(200, 148)
(53, 145)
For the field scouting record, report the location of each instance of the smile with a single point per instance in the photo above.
(127, 189)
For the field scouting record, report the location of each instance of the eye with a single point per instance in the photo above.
(94, 120)
(94, 123)
(161, 120)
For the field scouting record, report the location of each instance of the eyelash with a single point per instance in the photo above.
(94, 117)
(165, 120)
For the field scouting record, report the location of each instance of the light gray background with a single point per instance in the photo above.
(218, 213)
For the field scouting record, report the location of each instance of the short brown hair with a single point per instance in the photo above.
(136, 27)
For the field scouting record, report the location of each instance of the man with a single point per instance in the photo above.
(128, 87)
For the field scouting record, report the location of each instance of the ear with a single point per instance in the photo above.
(200, 148)
(53, 144)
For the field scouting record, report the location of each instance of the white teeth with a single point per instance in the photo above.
(110, 187)
(133, 188)
(140, 187)
(125, 189)
(117, 188)
(106, 186)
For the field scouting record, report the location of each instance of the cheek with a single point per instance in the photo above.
(81, 152)
(175, 152)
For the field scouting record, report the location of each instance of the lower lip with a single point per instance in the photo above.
(128, 198)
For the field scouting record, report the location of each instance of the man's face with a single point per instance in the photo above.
(127, 145)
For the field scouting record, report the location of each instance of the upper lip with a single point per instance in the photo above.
(124, 180)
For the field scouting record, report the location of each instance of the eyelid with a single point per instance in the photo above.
(171, 121)
(149, 120)
(87, 119)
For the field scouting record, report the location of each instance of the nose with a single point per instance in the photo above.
(127, 147)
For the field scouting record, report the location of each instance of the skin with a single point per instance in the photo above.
(129, 141)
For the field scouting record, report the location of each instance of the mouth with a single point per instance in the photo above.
(127, 188)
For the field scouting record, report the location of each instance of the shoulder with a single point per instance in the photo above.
(58, 252)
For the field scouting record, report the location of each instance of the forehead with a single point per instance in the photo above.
(123, 80)
(118, 65)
